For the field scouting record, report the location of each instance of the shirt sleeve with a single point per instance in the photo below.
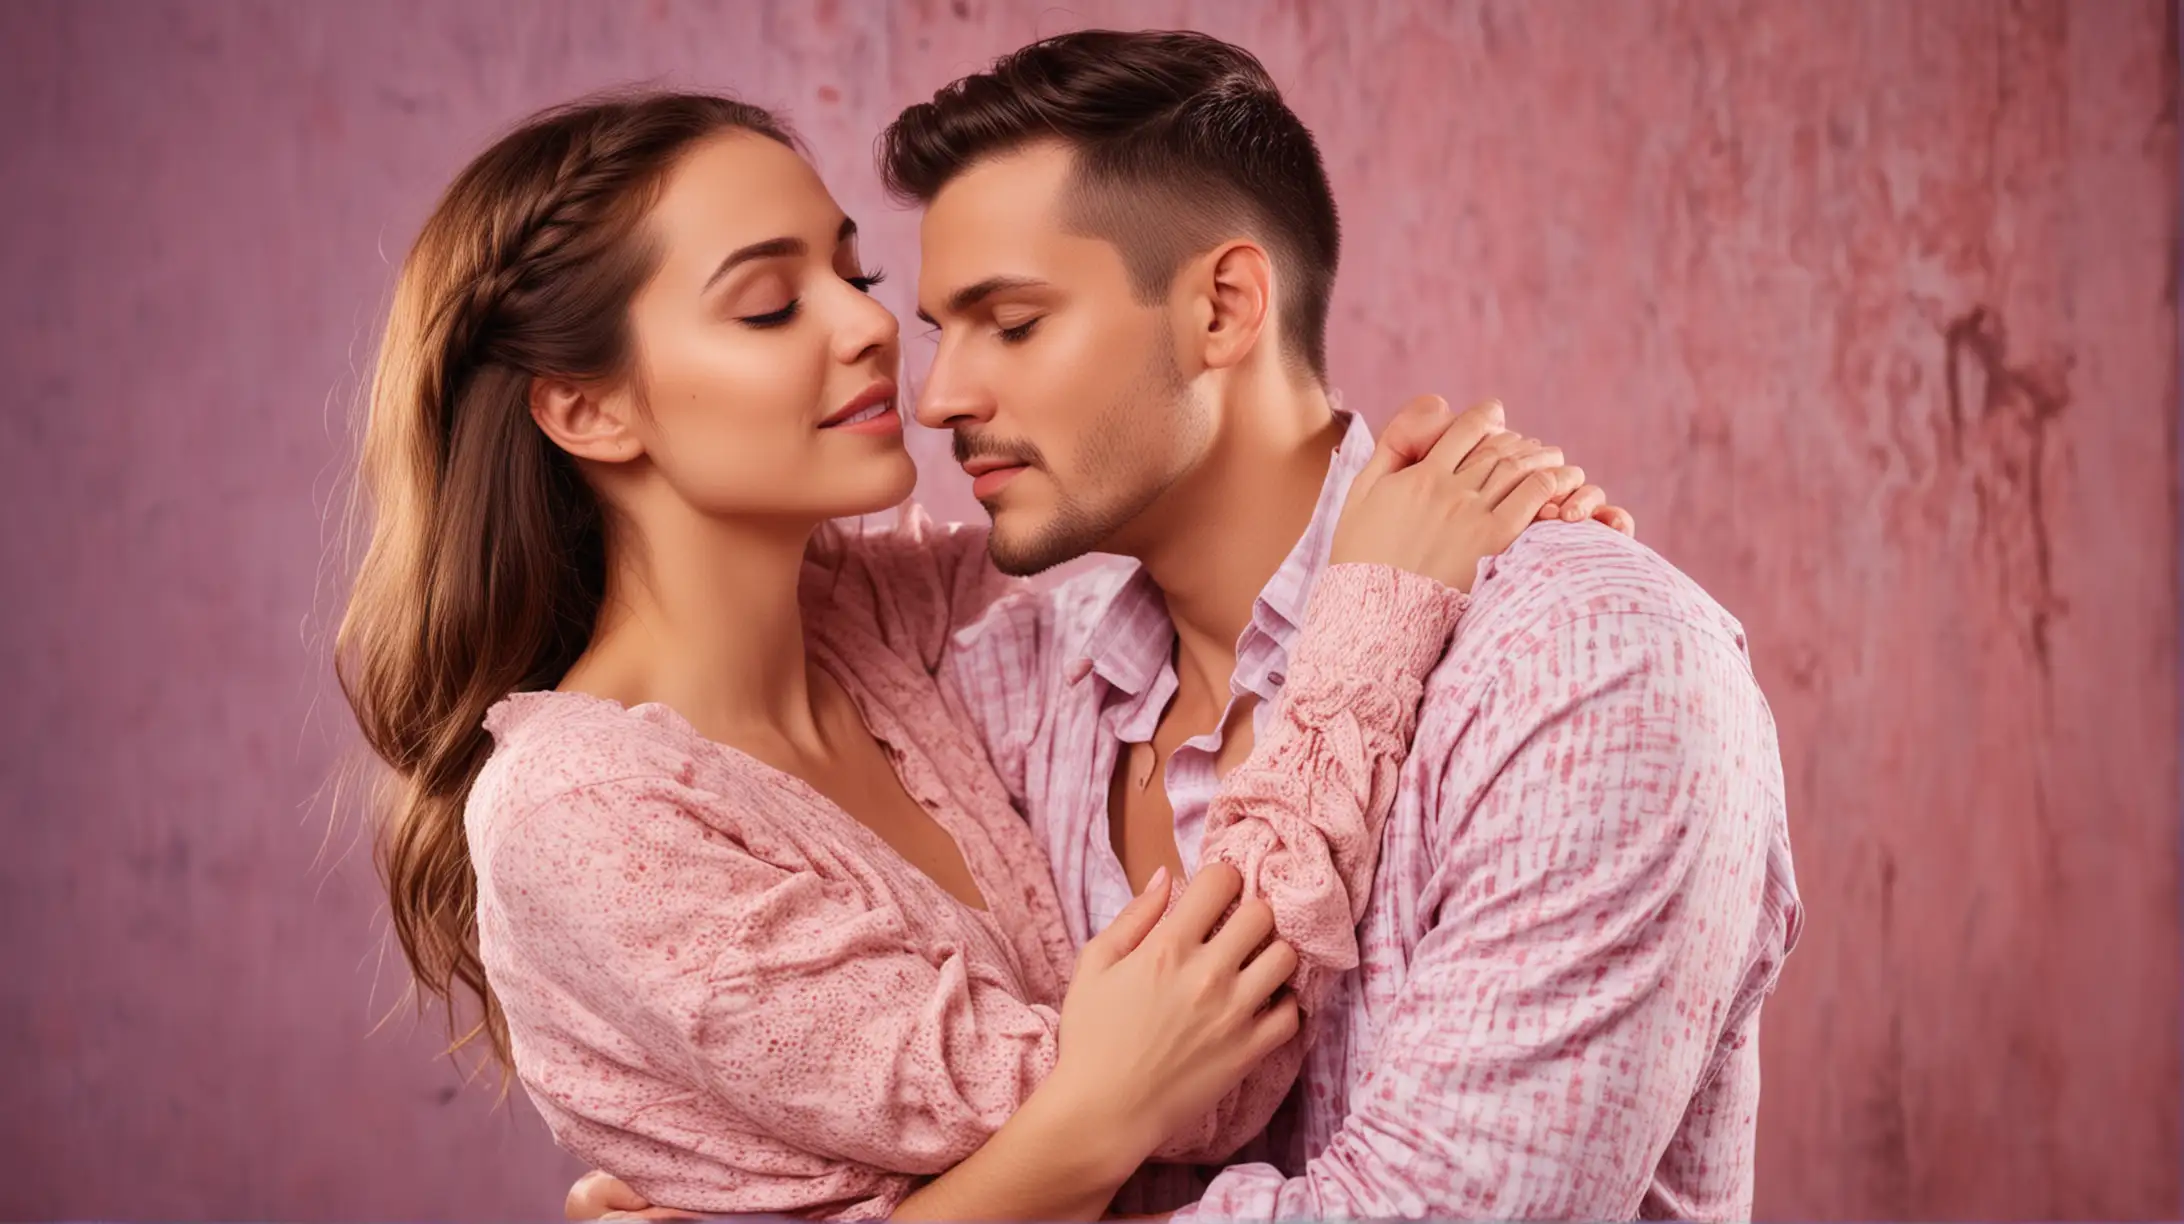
(1607, 906)
(798, 1001)
(1002, 674)
(931, 592)
(914, 581)
(1301, 817)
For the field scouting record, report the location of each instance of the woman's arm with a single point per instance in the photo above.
(800, 1012)
(1300, 819)
(914, 581)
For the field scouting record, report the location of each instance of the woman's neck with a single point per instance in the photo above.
(701, 615)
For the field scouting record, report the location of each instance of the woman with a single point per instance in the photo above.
(678, 798)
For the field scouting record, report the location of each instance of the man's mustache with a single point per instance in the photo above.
(969, 446)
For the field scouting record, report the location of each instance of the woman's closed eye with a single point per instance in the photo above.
(773, 318)
(862, 282)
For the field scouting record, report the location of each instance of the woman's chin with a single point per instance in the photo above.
(892, 479)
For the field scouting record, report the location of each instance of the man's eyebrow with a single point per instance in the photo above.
(971, 295)
(774, 248)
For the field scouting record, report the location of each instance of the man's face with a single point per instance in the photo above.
(1063, 390)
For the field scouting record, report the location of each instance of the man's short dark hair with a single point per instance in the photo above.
(1180, 141)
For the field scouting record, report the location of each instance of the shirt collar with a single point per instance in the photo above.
(1132, 638)
(1279, 610)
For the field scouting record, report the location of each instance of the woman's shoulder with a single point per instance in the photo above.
(554, 748)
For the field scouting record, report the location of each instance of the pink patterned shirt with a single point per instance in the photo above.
(726, 991)
(1584, 890)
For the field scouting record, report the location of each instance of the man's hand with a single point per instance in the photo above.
(602, 1196)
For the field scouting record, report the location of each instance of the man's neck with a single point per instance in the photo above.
(1213, 541)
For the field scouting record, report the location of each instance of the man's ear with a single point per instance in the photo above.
(589, 422)
(1235, 289)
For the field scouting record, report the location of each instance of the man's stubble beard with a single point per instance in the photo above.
(1137, 449)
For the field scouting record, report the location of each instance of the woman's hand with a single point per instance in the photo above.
(1166, 1014)
(1443, 491)
(1163, 1017)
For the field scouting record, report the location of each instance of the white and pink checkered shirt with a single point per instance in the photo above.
(1584, 892)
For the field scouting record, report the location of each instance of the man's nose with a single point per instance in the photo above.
(950, 397)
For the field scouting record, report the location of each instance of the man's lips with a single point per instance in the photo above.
(989, 473)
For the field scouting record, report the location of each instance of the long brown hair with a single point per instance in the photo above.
(486, 556)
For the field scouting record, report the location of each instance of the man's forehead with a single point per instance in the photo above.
(1025, 181)
(1001, 220)
(1009, 197)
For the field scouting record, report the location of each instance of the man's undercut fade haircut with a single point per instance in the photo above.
(1180, 141)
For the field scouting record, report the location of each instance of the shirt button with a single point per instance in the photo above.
(1276, 679)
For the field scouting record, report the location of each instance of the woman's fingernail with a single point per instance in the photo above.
(1159, 880)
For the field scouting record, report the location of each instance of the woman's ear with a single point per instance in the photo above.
(585, 421)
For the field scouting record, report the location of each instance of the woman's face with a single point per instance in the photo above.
(767, 373)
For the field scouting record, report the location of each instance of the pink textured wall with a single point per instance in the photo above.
(1866, 309)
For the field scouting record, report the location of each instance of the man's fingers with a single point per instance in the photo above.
(597, 1195)
(1620, 519)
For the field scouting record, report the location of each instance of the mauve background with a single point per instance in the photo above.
(1867, 309)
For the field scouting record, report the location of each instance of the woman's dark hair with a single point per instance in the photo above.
(485, 562)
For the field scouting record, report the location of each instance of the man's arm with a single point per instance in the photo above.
(1603, 898)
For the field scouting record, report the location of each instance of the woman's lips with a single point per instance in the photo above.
(877, 418)
(867, 411)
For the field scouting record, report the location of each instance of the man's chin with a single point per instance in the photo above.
(1017, 562)
(1021, 550)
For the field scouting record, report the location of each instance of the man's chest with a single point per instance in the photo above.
(1117, 791)
(1174, 772)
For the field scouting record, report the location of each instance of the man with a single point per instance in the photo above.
(1585, 891)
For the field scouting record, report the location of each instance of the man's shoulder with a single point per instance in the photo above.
(1580, 618)
(1560, 579)
(1557, 573)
